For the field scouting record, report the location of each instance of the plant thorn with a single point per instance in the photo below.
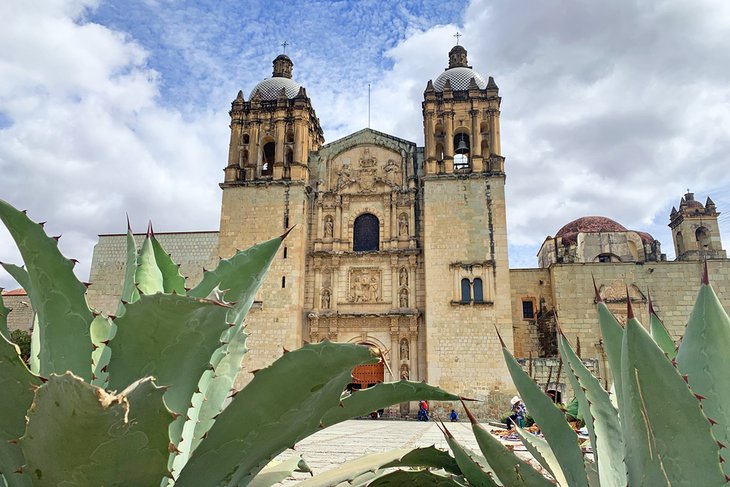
(599, 299)
(629, 306)
(284, 235)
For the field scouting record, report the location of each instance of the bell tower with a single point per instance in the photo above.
(265, 192)
(465, 233)
(695, 230)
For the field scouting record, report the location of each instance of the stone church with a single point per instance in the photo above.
(404, 248)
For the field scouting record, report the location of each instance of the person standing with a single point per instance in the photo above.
(518, 413)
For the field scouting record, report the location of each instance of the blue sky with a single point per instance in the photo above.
(610, 108)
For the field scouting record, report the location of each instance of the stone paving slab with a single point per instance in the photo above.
(351, 439)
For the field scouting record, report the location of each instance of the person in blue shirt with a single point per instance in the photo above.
(453, 416)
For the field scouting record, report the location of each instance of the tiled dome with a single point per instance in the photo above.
(595, 224)
(459, 78)
(271, 87)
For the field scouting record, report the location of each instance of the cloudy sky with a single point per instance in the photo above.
(113, 107)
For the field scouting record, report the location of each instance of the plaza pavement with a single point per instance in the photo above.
(350, 439)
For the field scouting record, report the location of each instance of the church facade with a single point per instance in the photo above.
(404, 248)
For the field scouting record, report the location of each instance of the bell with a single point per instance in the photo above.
(462, 148)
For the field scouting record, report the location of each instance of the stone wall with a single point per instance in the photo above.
(192, 250)
(21, 313)
(465, 238)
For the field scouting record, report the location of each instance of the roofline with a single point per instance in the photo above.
(142, 234)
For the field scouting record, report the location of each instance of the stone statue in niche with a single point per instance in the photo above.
(329, 226)
(404, 349)
(392, 172)
(403, 225)
(404, 374)
(326, 299)
(403, 278)
(404, 298)
(364, 285)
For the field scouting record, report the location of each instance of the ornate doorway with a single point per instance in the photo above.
(365, 376)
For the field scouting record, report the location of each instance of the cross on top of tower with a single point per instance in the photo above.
(284, 44)
(458, 35)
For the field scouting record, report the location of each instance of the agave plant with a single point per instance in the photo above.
(665, 423)
(138, 398)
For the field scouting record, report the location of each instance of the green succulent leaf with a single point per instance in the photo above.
(383, 395)
(476, 471)
(148, 276)
(78, 435)
(661, 336)
(277, 472)
(258, 424)
(102, 331)
(169, 337)
(56, 295)
(510, 469)
(429, 457)
(703, 358)
(543, 453)
(351, 470)
(17, 384)
(172, 280)
(129, 288)
(602, 421)
(22, 278)
(558, 433)
(657, 411)
(613, 334)
(417, 478)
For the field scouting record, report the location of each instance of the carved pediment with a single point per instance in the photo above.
(368, 169)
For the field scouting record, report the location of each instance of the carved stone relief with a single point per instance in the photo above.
(404, 372)
(365, 285)
(329, 226)
(403, 225)
(404, 298)
(326, 297)
(403, 277)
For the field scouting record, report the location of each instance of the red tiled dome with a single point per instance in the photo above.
(594, 224)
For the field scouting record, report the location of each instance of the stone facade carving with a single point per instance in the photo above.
(329, 226)
(403, 225)
(404, 372)
(326, 297)
(365, 285)
(403, 297)
(404, 351)
(403, 277)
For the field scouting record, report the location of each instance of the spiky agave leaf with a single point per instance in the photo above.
(16, 384)
(668, 439)
(130, 294)
(476, 470)
(102, 331)
(172, 280)
(277, 472)
(4, 311)
(660, 334)
(22, 278)
(600, 416)
(703, 358)
(558, 433)
(79, 435)
(148, 276)
(510, 469)
(613, 334)
(281, 405)
(56, 295)
(417, 478)
(543, 453)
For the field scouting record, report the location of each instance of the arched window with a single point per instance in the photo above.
(366, 233)
(680, 244)
(245, 138)
(439, 152)
(465, 290)
(703, 238)
(290, 136)
(462, 151)
(478, 291)
(244, 157)
(267, 164)
(289, 157)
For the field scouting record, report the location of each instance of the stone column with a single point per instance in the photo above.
(497, 142)
(477, 163)
(319, 224)
(297, 141)
(254, 156)
(449, 142)
(393, 218)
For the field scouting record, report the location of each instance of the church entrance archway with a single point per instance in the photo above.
(368, 375)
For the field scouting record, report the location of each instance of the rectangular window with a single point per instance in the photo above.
(528, 310)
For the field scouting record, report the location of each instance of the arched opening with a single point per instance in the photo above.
(478, 291)
(439, 151)
(267, 162)
(680, 244)
(485, 148)
(366, 233)
(462, 151)
(605, 258)
(290, 137)
(244, 157)
(289, 158)
(245, 138)
(465, 290)
(702, 235)
(364, 376)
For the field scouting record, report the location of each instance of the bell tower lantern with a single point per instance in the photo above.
(461, 120)
(273, 132)
(695, 230)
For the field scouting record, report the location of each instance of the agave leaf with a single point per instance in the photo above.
(169, 337)
(56, 295)
(353, 469)
(129, 289)
(102, 331)
(613, 334)
(430, 457)
(601, 419)
(4, 318)
(661, 336)
(382, 395)
(22, 278)
(509, 468)
(476, 470)
(148, 276)
(274, 473)
(281, 405)
(16, 384)
(417, 478)
(96, 438)
(172, 280)
(541, 451)
(592, 472)
(558, 433)
(657, 410)
(703, 358)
